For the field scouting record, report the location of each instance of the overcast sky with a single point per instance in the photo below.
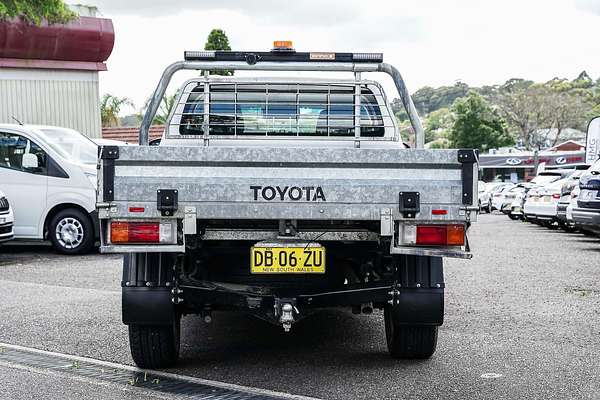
(431, 42)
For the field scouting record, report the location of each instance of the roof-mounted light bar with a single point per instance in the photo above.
(370, 57)
(200, 55)
(282, 55)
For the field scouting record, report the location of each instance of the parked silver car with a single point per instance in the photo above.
(587, 212)
(6, 219)
(566, 194)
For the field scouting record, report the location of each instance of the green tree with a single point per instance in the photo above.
(428, 99)
(36, 11)
(110, 107)
(440, 143)
(477, 125)
(539, 113)
(218, 40)
(406, 131)
(437, 124)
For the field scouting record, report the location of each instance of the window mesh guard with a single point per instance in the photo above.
(230, 109)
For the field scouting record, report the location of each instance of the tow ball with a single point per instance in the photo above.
(285, 311)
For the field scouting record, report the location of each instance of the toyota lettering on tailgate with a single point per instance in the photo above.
(294, 193)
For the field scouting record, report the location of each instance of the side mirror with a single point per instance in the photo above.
(30, 161)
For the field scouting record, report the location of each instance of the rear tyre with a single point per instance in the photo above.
(155, 346)
(513, 216)
(409, 341)
(565, 226)
(551, 225)
(71, 232)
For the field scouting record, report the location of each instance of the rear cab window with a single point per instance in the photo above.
(279, 109)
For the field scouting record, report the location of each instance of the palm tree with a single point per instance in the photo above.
(164, 109)
(110, 107)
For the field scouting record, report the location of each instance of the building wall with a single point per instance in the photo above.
(51, 97)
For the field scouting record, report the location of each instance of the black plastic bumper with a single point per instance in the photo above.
(587, 217)
(536, 217)
(561, 212)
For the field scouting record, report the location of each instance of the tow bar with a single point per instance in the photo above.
(284, 309)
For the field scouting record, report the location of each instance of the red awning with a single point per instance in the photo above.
(85, 40)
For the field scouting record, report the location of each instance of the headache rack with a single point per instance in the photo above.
(336, 126)
(304, 109)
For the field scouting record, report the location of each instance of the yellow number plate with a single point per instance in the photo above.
(287, 260)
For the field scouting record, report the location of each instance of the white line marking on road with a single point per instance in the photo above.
(90, 381)
(491, 375)
(186, 378)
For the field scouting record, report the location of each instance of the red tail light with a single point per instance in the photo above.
(440, 235)
(431, 235)
(556, 195)
(122, 232)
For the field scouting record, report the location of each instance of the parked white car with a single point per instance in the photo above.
(513, 200)
(487, 190)
(6, 219)
(498, 193)
(542, 200)
(49, 175)
(485, 201)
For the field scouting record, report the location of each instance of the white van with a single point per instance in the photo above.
(49, 175)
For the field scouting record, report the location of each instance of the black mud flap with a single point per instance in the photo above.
(146, 289)
(147, 306)
(420, 300)
(420, 307)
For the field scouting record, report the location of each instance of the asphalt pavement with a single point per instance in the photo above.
(522, 321)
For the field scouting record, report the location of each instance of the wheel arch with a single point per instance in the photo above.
(64, 206)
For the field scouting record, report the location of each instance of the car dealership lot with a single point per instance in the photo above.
(522, 320)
